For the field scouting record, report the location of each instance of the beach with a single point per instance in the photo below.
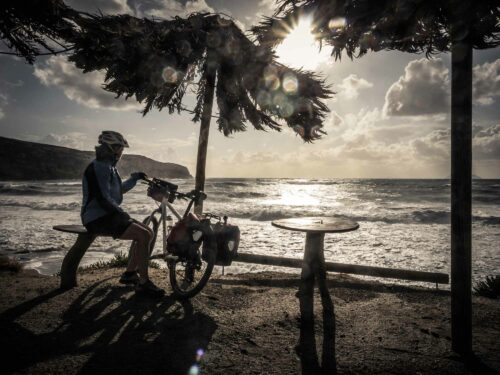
(239, 324)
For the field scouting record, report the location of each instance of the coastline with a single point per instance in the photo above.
(245, 324)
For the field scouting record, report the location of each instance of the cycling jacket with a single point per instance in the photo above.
(103, 190)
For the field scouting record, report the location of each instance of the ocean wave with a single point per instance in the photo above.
(31, 190)
(269, 215)
(72, 206)
(310, 182)
(228, 183)
(246, 194)
(487, 220)
(431, 217)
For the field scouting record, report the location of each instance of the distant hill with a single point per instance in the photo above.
(21, 160)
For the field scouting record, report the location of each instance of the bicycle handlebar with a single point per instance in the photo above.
(169, 188)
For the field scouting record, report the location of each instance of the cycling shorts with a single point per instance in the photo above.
(114, 224)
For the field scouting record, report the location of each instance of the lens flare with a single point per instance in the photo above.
(169, 75)
(199, 354)
(264, 98)
(194, 370)
(287, 109)
(336, 23)
(290, 83)
(271, 78)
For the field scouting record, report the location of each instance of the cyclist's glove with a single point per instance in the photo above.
(139, 175)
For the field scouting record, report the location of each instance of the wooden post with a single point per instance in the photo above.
(205, 128)
(461, 187)
(72, 260)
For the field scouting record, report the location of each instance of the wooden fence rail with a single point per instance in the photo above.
(393, 273)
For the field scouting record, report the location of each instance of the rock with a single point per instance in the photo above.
(21, 160)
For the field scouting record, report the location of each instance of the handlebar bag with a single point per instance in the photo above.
(228, 241)
(157, 193)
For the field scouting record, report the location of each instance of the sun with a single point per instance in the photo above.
(300, 49)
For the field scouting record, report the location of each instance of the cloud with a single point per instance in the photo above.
(486, 82)
(352, 84)
(486, 143)
(361, 123)
(435, 145)
(422, 90)
(333, 121)
(161, 149)
(76, 140)
(169, 8)
(85, 89)
(104, 6)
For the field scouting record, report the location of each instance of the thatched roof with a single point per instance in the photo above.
(30, 28)
(157, 61)
(357, 26)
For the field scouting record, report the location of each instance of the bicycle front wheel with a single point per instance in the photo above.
(188, 277)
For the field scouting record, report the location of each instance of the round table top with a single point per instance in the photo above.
(318, 224)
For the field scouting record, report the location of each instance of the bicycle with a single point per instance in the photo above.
(189, 268)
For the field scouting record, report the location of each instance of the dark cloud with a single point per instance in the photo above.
(422, 90)
(104, 6)
(85, 88)
(142, 8)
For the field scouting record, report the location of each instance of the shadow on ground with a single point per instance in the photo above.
(108, 330)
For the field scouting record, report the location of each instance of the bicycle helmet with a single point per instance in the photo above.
(111, 138)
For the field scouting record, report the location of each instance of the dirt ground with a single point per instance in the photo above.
(239, 324)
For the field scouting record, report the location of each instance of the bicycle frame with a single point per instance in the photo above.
(162, 210)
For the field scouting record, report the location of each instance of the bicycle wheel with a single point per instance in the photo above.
(188, 277)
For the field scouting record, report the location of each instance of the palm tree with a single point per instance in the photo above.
(158, 61)
(37, 27)
(416, 26)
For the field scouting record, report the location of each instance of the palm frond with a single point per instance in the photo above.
(30, 28)
(413, 26)
(157, 61)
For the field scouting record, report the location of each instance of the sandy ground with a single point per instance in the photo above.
(245, 324)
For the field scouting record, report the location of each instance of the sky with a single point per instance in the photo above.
(390, 116)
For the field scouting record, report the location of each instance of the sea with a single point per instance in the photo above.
(403, 223)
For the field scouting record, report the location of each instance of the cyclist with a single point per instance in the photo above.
(101, 213)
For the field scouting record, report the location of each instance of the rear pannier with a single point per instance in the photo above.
(228, 240)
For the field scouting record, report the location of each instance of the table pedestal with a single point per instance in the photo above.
(314, 269)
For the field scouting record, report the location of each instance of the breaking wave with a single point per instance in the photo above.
(34, 190)
(72, 206)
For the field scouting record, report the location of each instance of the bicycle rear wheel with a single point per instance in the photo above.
(188, 277)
